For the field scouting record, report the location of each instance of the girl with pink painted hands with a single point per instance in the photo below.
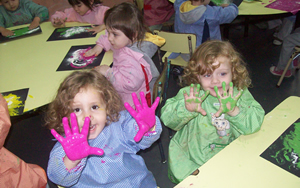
(102, 139)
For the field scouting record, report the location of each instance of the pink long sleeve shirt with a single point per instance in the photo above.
(95, 16)
(126, 74)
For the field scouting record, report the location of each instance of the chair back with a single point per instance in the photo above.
(161, 84)
(177, 42)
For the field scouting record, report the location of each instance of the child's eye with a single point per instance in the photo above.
(77, 110)
(206, 75)
(223, 74)
(95, 107)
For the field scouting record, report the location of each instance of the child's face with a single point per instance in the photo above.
(88, 103)
(221, 74)
(10, 5)
(117, 38)
(81, 8)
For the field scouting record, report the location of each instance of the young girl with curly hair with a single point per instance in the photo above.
(98, 148)
(212, 111)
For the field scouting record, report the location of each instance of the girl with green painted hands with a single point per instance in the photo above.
(213, 109)
(194, 100)
(227, 100)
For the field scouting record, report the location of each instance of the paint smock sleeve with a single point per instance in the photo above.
(126, 74)
(103, 42)
(4, 120)
(69, 15)
(251, 115)
(57, 171)
(37, 10)
(174, 114)
(226, 14)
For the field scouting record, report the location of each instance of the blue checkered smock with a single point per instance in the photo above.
(120, 166)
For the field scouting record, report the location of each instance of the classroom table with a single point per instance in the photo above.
(240, 165)
(31, 62)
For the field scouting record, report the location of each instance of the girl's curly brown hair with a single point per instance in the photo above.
(207, 53)
(61, 106)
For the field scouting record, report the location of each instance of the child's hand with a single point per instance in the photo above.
(35, 23)
(7, 33)
(227, 101)
(144, 116)
(58, 22)
(96, 29)
(75, 144)
(94, 51)
(194, 101)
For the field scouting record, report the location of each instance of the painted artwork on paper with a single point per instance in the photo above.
(286, 5)
(66, 33)
(285, 151)
(75, 59)
(16, 101)
(20, 33)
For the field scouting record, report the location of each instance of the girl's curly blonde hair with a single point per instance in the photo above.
(61, 106)
(206, 54)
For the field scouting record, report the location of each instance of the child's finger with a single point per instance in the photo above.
(218, 113)
(230, 89)
(197, 90)
(67, 129)
(204, 95)
(217, 92)
(192, 90)
(139, 136)
(136, 102)
(95, 151)
(202, 111)
(224, 89)
(130, 109)
(74, 124)
(155, 104)
(143, 100)
(57, 136)
(86, 125)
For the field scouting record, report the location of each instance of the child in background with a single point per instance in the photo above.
(18, 12)
(198, 17)
(157, 12)
(86, 11)
(133, 70)
(77, 160)
(208, 119)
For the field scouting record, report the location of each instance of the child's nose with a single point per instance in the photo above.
(90, 116)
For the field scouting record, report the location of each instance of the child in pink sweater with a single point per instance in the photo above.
(86, 11)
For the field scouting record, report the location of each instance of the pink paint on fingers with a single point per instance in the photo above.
(144, 115)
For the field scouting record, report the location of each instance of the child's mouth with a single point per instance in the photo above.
(92, 127)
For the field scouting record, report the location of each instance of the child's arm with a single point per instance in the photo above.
(250, 116)
(6, 32)
(75, 144)
(102, 43)
(37, 11)
(97, 29)
(35, 23)
(144, 116)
